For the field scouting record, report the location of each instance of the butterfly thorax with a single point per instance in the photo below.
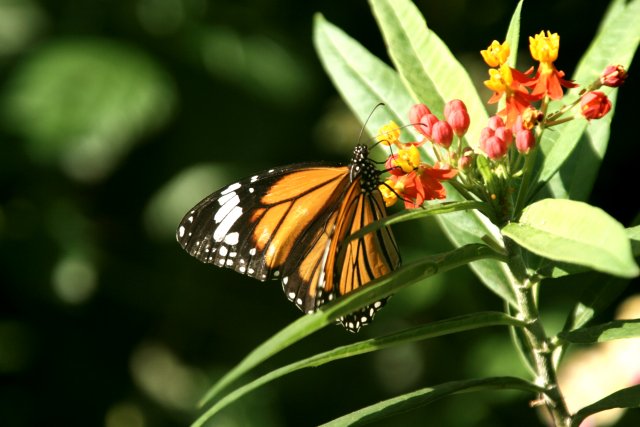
(362, 168)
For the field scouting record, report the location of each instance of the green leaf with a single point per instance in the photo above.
(600, 292)
(614, 330)
(364, 80)
(427, 66)
(574, 232)
(374, 291)
(513, 35)
(83, 103)
(615, 43)
(428, 395)
(634, 236)
(431, 330)
(625, 398)
(421, 212)
(361, 78)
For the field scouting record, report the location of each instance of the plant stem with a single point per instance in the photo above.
(537, 340)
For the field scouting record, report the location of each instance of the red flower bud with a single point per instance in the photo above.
(504, 134)
(416, 113)
(441, 133)
(453, 105)
(495, 122)
(494, 147)
(525, 140)
(459, 121)
(613, 76)
(594, 105)
(426, 124)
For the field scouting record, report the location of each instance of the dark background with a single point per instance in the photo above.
(117, 116)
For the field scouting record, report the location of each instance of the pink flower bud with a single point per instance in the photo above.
(594, 105)
(504, 134)
(613, 76)
(494, 147)
(416, 113)
(441, 133)
(426, 124)
(495, 122)
(453, 105)
(525, 140)
(459, 121)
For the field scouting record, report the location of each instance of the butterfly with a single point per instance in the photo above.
(292, 223)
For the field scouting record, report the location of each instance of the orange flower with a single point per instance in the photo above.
(513, 85)
(548, 81)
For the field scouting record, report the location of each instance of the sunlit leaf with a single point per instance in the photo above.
(614, 330)
(574, 232)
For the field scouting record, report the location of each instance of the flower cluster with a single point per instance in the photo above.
(521, 91)
(411, 179)
(487, 170)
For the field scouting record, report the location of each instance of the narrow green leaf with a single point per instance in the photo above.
(409, 401)
(601, 291)
(614, 330)
(364, 80)
(361, 78)
(625, 398)
(374, 291)
(616, 43)
(421, 212)
(431, 72)
(574, 232)
(431, 330)
(513, 35)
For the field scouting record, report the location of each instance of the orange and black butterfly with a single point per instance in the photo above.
(291, 223)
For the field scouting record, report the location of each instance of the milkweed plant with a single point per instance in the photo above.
(500, 174)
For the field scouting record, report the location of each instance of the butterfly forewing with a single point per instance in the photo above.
(250, 225)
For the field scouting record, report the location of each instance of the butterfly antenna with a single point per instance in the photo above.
(380, 104)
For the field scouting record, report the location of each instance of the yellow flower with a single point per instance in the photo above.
(408, 159)
(545, 48)
(496, 54)
(388, 195)
(500, 79)
(389, 134)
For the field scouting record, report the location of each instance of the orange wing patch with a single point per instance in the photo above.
(283, 223)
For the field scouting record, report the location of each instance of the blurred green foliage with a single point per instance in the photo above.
(117, 116)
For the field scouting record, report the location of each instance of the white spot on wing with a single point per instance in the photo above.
(223, 251)
(252, 252)
(254, 178)
(232, 187)
(226, 207)
(223, 229)
(190, 219)
(232, 238)
(291, 295)
(181, 231)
